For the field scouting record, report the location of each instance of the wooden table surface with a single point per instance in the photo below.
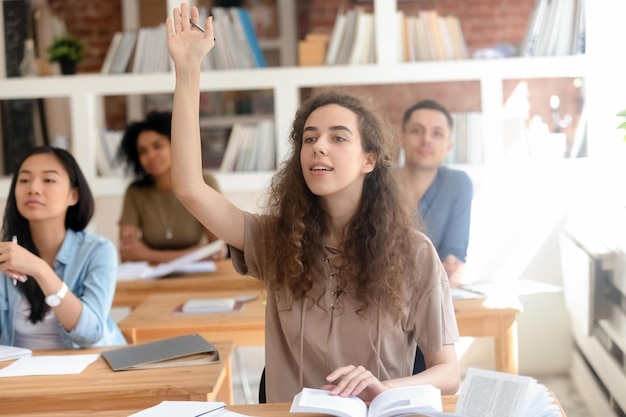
(98, 389)
(496, 317)
(131, 293)
(256, 410)
(155, 319)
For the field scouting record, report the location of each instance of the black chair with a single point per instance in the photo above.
(262, 397)
(418, 366)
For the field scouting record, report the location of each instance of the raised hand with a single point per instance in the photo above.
(186, 44)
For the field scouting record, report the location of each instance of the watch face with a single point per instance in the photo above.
(53, 300)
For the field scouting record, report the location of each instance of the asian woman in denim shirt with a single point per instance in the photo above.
(58, 281)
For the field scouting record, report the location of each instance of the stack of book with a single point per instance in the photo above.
(426, 36)
(145, 50)
(251, 147)
(557, 27)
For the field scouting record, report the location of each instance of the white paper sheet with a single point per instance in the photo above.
(183, 409)
(49, 365)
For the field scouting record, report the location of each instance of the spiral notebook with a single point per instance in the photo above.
(8, 353)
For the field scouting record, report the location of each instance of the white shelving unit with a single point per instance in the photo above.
(84, 92)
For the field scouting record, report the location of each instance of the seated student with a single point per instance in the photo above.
(352, 287)
(154, 225)
(58, 280)
(443, 195)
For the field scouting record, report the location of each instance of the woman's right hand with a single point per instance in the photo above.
(18, 262)
(186, 44)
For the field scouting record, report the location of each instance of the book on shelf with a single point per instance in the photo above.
(251, 38)
(106, 156)
(401, 401)
(110, 55)
(8, 353)
(429, 36)
(347, 39)
(251, 147)
(187, 350)
(363, 38)
(334, 42)
(578, 38)
(124, 53)
(555, 28)
(237, 45)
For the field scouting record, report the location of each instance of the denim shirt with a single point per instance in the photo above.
(446, 210)
(87, 263)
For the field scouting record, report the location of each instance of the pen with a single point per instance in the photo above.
(14, 240)
(197, 26)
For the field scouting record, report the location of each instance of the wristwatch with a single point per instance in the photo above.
(54, 300)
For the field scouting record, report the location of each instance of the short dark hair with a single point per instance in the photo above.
(430, 105)
(160, 122)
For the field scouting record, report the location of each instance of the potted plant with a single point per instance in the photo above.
(67, 51)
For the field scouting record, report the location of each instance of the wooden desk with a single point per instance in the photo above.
(495, 317)
(132, 293)
(155, 319)
(257, 410)
(100, 390)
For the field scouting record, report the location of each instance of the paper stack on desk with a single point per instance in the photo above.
(189, 263)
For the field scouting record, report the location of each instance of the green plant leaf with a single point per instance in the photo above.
(622, 113)
(66, 48)
(622, 126)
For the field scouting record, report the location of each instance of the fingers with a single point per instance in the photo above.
(353, 380)
(17, 276)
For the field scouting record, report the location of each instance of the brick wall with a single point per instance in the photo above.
(484, 23)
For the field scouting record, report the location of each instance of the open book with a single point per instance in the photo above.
(498, 394)
(190, 262)
(418, 399)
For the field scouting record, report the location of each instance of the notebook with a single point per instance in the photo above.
(191, 349)
(8, 353)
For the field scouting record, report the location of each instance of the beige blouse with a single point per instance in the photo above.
(159, 215)
(306, 341)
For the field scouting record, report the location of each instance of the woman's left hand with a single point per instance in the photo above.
(354, 380)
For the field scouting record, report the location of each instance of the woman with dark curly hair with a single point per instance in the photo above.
(352, 287)
(154, 225)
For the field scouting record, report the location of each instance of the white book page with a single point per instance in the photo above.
(493, 394)
(317, 400)
(405, 400)
(178, 263)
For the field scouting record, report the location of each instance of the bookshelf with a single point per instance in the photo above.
(286, 84)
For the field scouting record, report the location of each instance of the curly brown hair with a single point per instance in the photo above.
(380, 246)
